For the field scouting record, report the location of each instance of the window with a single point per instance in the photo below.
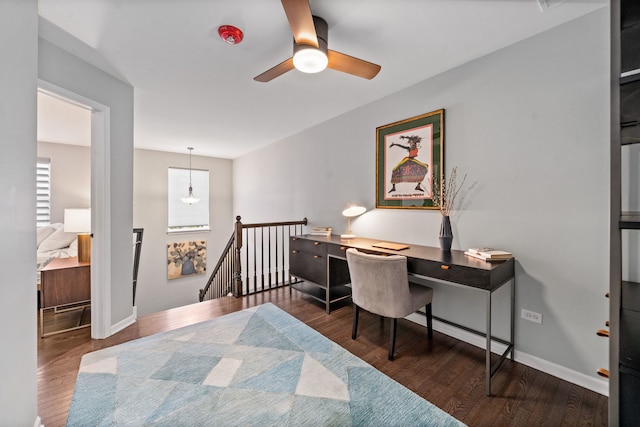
(43, 192)
(184, 217)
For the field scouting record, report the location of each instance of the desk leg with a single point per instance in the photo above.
(488, 352)
(327, 291)
(513, 316)
(511, 344)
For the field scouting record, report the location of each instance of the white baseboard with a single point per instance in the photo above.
(38, 422)
(598, 385)
(125, 322)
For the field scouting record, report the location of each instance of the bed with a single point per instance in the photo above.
(52, 242)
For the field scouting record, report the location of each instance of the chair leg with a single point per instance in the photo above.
(354, 330)
(429, 321)
(392, 347)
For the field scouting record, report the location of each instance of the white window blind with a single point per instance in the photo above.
(184, 217)
(43, 192)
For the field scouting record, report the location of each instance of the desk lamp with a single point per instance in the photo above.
(79, 221)
(351, 211)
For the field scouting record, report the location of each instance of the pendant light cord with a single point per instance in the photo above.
(190, 149)
(190, 199)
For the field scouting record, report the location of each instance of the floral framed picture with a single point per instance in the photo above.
(409, 161)
(186, 258)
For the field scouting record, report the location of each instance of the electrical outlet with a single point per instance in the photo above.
(532, 316)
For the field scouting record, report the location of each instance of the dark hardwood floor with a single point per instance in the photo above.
(447, 372)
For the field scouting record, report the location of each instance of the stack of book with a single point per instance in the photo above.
(489, 254)
(320, 231)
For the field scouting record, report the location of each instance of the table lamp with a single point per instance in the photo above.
(351, 211)
(79, 221)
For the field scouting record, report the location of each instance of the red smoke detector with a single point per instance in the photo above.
(230, 34)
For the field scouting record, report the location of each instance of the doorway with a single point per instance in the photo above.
(83, 126)
(63, 213)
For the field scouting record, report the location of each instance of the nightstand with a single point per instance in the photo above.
(65, 285)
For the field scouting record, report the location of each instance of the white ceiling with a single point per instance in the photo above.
(62, 122)
(193, 89)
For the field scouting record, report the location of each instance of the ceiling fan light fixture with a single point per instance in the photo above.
(310, 47)
(309, 59)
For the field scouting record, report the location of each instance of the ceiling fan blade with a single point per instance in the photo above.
(276, 71)
(351, 65)
(301, 21)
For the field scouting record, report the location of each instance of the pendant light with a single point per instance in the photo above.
(190, 199)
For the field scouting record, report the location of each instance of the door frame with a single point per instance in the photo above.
(100, 206)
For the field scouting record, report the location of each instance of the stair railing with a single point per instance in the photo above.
(263, 249)
(221, 279)
(137, 242)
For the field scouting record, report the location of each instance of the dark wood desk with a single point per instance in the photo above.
(65, 284)
(321, 263)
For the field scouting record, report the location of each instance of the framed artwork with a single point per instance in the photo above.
(186, 258)
(409, 161)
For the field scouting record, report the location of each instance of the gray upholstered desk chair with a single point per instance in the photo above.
(380, 285)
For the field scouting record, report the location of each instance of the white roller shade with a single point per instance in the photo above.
(184, 217)
(43, 192)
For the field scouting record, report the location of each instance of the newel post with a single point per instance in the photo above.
(237, 274)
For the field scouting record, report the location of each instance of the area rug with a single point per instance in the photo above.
(256, 367)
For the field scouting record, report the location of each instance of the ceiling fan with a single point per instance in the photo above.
(310, 52)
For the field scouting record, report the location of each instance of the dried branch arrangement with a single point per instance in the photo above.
(444, 197)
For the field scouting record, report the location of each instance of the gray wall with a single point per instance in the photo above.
(529, 125)
(70, 177)
(18, 83)
(155, 292)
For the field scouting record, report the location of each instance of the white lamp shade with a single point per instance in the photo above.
(77, 220)
(353, 210)
(309, 59)
(190, 199)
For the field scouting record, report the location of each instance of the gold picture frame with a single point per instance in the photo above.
(409, 161)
